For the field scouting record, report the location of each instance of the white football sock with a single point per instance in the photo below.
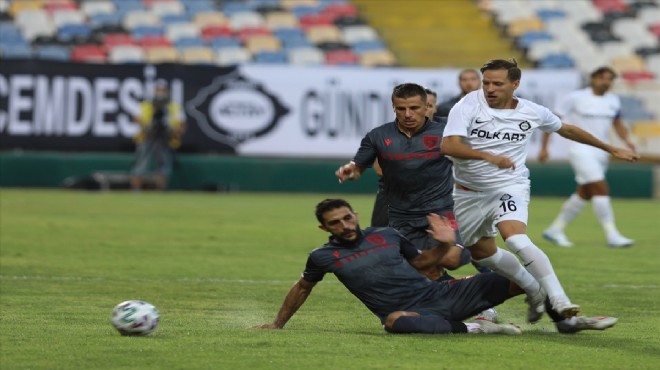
(537, 263)
(504, 263)
(571, 208)
(603, 209)
(473, 328)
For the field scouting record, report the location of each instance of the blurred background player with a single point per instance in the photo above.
(595, 110)
(162, 124)
(468, 81)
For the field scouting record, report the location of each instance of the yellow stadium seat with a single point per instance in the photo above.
(275, 20)
(161, 54)
(319, 34)
(259, 43)
(211, 18)
(377, 58)
(520, 26)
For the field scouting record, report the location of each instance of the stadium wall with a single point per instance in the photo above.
(235, 173)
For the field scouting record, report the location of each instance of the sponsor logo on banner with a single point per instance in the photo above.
(235, 109)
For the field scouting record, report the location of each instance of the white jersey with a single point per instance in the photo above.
(497, 131)
(592, 113)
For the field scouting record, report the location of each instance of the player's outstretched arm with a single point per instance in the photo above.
(292, 302)
(575, 133)
(455, 147)
(349, 171)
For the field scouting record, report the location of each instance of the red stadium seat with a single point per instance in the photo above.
(89, 53)
(655, 29)
(312, 20)
(339, 57)
(341, 10)
(60, 5)
(153, 41)
(248, 32)
(606, 6)
(212, 32)
(637, 76)
(115, 39)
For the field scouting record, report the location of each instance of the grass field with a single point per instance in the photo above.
(216, 264)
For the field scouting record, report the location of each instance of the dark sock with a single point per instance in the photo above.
(554, 315)
(427, 324)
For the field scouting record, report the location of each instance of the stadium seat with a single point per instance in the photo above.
(370, 45)
(628, 63)
(150, 41)
(377, 58)
(168, 19)
(126, 54)
(16, 52)
(161, 54)
(341, 10)
(140, 32)
(278, 20)
(231, 8)
(540, 49)
(528, 38)
(161, 8)
(197, 55)
(306, 56)
(68, 32)
(304, 10)
(224, 42)
(210, 18)
(232, 56)
(28, 17)
(210, 32)
(271, 57)
(90, 8)
(241, 20)
(353, 34)
(556, 61)
(189, 42)
(259, 43)
(88, 53)
(348, 21)
(341, 57)
(16, 7)
(520, 26)
(62, 17)
(53, 52)
(102, 19)
(547, 14)
(137, 18)
(311, 20)
(179, 30)
(249, 32)
(319, 34)
(111, 40)
(198, 6)
(637, 76)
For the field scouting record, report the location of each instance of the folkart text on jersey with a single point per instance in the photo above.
(504, 136)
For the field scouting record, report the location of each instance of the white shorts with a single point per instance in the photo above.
(589, 165)
(478, 212)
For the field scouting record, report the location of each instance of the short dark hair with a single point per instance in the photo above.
(430, 92)
(466, 71)
(513, 72)
(408, 90)
(328, 205)
(602, 70)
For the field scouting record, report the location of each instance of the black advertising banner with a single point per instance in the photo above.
(61, 106)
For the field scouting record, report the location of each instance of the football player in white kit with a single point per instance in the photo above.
(486, 136)
(595, 110)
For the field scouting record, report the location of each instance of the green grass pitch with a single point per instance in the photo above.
(216, 264)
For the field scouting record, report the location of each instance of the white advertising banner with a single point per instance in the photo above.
(327, 111)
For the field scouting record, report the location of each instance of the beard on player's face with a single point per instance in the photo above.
(349, 234)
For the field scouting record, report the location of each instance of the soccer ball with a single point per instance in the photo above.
(135, 318)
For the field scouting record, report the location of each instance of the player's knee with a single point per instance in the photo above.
(518, 242)
(392, 317)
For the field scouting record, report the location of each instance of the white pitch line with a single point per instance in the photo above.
(181, 280)
(629, 286)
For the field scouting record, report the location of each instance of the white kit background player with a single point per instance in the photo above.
(486, 136)
(595, 110)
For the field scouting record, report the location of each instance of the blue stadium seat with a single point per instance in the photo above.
(53, 52)
(232, 8)
(303, 10)
(271, 57)
(103, 19)
(294, 43)
(549, 14)
(16, 52)
(188, 42)
(168, 19)
(70, 31)
(367, 45)
(142, 31)
(198, 6)
(224, 42)
(291, 37)
(531, 37)
(557, 61)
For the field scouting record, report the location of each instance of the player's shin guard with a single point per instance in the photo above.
(537, 263)
(427, 324)
(504, 263)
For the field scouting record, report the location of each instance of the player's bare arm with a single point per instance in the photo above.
(455, 146)
(294, 299)
(575, 133)
(432, 262)
(622, 131)
(349, 171)
(543, 153)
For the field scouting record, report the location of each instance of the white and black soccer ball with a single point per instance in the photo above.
(135, 318)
